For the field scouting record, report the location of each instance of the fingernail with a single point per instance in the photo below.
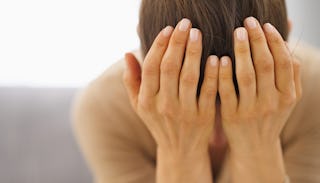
(242, 34)
(251, 22)
(213, 60)
(167, 31)
(269, 28)
(184, 24)
(194, 35)
(224, 61)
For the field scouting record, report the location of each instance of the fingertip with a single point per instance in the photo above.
(194, 35)
(273, 35)
(167, 31)
(225, 61)
(241, 34)
(251, 22)
(213, 60)
(184, 24)
(269, 28)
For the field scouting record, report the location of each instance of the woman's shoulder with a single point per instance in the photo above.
(105, 102)
(300, 137)
(304, 123)
(309, 57)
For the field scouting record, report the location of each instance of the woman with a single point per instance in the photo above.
(215, 99)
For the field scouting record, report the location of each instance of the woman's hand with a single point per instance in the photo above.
(165, 98)
(269, 88)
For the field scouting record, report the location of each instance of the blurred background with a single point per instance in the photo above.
(51, 49)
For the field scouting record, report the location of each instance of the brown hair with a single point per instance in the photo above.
(217, 19)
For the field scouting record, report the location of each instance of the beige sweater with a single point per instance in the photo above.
(119, 148)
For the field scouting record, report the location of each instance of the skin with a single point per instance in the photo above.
(163, 94)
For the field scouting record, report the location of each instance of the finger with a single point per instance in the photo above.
(228, 97)
(209, 88)
(171, 64)
(151, 65)
(245, 72)
(297, 77)
(283, 60)
(189, 76)
(132, 78)
(262, 57)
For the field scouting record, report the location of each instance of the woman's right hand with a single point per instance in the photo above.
(164, 94)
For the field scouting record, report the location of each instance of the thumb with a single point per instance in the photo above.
(132, 78)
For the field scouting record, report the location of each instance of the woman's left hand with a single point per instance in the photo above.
(269, 88)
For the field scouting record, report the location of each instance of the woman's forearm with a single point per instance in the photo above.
(263, 165)
(187, 167)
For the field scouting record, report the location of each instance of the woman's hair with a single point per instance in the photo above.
(217, 20)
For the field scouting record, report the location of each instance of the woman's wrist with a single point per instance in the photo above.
(257, 165)
(176, 165)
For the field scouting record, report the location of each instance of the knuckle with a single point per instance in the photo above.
(269, 109)
(209, 90)
(178, 41)
(149, 69)
(166, 109)
(289, 99)
(250, 116)
(285, 63)
(193, 52)
(211, 77)
(194, 49)
(228, 115)
(189, 79)
(225, 95)
(275, 39)
(267, 65)
(257, 36)
(160, 43)
(242, 49)
(225, 76)
(246, 79)
(169, 67)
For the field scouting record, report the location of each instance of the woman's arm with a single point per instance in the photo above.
(174, 166)
(117, 146)
(264, 164)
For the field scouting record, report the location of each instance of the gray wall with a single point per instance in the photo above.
(305, 16)
(36, 141)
